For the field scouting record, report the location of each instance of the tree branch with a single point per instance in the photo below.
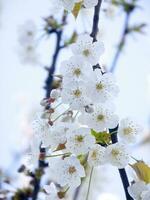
(121, 43)
(122, 172)
(96, 20)
(49, 80)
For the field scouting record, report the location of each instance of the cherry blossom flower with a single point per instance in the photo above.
(75, 95)
(129, 130)
(80, 141)
(118, 155)
(102, 87)
(75, 69)
(70, 172)
(52, 193)
(136, 190)
(96, 155)
(88, 50)
(100, 119)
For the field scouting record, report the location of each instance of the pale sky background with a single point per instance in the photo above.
(21, 85)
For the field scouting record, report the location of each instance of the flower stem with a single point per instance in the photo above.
(89, 185)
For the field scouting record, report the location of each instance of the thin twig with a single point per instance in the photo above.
(96, 20)
(89, 185)
(121, 43)
(58, 48)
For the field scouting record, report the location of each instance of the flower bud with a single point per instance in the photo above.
(55, 94)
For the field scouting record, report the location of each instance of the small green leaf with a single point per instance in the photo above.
(101, 137)
(142, 170)
(76, 9)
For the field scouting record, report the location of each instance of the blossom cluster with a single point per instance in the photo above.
(77, 114)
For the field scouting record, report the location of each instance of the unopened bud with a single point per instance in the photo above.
(50, 123)
(55, 94)
(44, 102)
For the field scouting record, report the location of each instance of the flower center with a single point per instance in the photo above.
(77, 72)
(86, 52)
(72, 170)
(77, 93)
(127, 131)
(115, 152)
(79, 138)
(94, 155)
(100, 118)
(29, 33)
(99, 86)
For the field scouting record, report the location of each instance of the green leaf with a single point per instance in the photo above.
(142, 170)
(77, 9)
(101, 137)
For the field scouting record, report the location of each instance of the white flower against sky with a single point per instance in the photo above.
(90, 3)
(29, 54)
(129, 130)
(100, 119)
(75, 95)
(33, 156)
(75, 69)
(80, 141)
(136, 190)
(118, 155)
(88, 50)
(69, 4)
(56, 135)
(70, 172)
(52, 193)
(40, 127)
(146, 195)
(55, 94)
(96, 155)
(27, 33)
(102, 87)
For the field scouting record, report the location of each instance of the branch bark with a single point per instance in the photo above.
(121, 43)
(122, 172)
(49, 80)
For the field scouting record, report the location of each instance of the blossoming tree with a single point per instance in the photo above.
(78, 129)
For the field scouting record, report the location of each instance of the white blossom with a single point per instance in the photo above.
(52, 193)
(146, 195)
(100, 119)
(96, 155)
(80, 141)
(29, 55)
(70, 172)
(55, 94)
(102, 87)
(27, 33)
(129, 130)
(136, 190)
(88, 50)
(32, 157)
(90, 3)
(56, 135)
(118, 155)
(69, 4)
(75, 95)
(41, 128)
(75, 69)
